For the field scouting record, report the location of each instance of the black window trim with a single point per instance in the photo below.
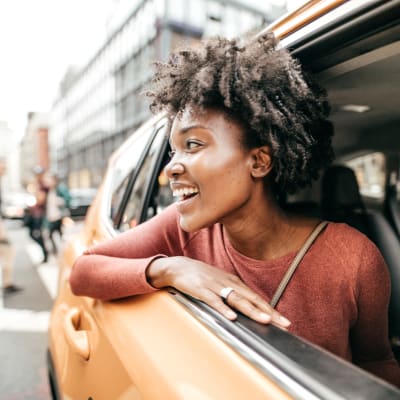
(155, 168)
(133, 176)
(351, 28)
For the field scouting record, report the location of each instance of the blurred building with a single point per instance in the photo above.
(9, 161)
(34, 146)
(99, 105)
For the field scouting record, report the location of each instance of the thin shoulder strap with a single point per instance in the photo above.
(299, 256)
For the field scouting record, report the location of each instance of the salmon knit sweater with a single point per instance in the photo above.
(338, 297)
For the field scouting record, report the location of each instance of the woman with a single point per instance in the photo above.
(7, 258)
(247, 127)
(54, 211)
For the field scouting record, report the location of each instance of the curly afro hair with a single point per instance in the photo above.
(261, 86)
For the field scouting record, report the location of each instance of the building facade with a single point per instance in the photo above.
(101, 104)
(9, 161)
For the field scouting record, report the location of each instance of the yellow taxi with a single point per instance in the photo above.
(169, 346)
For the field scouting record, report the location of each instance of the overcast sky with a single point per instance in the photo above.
(38, 40)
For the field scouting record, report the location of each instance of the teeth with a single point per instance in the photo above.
(184, 192)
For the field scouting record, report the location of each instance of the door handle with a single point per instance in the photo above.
(77, 338)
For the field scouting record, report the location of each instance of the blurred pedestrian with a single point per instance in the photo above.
(55, 207)
(63, 191)
(7, 257)
(37, 211)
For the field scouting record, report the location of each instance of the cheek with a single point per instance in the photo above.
(228, 175)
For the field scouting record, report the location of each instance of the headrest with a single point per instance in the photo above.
(340, 189)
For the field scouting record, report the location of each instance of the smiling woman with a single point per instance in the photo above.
(247, 127)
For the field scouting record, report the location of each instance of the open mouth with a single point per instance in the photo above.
(185, 193)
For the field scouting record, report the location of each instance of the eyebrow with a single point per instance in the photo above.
(187, 129)
(190, 127)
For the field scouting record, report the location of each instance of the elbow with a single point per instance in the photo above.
(83, 280)
(77, 279)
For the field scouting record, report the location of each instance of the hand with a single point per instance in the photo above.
(204, 282)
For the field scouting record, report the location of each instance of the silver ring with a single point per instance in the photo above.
(225, 292)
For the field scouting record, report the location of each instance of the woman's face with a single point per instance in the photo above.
(210, 170)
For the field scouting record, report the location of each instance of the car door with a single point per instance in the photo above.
(82, 352)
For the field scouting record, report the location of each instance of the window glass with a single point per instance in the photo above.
(161, 192)
(163, 197)
(131, 214)
(370, 172)
(122, 170)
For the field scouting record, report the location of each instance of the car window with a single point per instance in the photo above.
(131, 215)
(117, 197)
(370, 171)
(123, 173)
(160, 191)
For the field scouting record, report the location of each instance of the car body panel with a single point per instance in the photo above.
(149, 353)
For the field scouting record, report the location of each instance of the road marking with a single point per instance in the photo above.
(1, 287)
(48, 272)
(24, 320)
(34, 253)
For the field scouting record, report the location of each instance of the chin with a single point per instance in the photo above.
(187, 226)
(191, 226)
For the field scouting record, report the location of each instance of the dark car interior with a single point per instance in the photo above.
(363, 81)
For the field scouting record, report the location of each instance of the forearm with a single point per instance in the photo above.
(108, 278)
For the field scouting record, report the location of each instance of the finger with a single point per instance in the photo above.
(280, 320)
(240, 303)
(256, 307)
(215, 301)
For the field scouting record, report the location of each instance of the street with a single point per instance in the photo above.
(24, 319)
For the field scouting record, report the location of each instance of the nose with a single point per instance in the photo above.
(174, 168)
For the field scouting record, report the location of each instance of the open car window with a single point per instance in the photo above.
(131, 213)
(159, 194)
(123, 173)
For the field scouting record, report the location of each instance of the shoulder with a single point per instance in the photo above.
(340, 236)
(353, 250)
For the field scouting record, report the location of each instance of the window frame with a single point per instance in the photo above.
(133, 174)
(149, 181)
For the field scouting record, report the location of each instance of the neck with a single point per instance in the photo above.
(267, 232)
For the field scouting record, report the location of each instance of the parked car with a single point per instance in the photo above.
(167, 345)
(13, 204)
(80, 201)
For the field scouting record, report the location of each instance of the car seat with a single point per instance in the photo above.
(341, 202)
(391, 207)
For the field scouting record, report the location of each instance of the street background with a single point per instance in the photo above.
(24, 319)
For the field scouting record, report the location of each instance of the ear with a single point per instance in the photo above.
(261, 162)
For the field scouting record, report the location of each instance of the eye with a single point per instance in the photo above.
(191, 144)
